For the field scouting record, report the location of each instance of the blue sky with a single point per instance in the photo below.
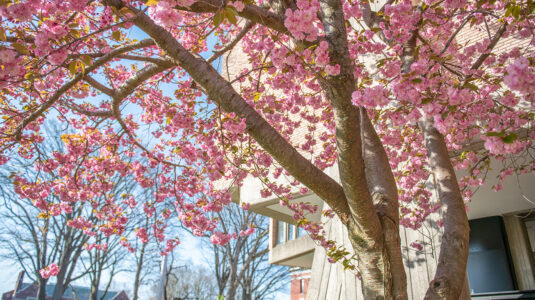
(190, 249)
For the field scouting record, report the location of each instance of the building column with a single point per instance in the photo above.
(521, 252)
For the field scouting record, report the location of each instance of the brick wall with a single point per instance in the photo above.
(299, 284)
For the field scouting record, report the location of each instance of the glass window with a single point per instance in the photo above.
(280, 232)
(291, 230)
(300, 231)
(301, 287)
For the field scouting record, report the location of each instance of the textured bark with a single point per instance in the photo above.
(367, 228)
(41, 292)
(251, 12)
(451, 269)
(382, 186)
(137, 278)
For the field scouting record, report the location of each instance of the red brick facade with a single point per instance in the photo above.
(299, 284)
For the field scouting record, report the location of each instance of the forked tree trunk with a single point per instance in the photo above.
(381, 268)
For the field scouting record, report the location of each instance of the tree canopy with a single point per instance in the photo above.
(388, 91)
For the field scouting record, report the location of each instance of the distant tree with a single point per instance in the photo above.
(241, 266)
(145, 260)
(186, 281)
(34, 240)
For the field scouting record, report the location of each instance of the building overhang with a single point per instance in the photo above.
(294, 253)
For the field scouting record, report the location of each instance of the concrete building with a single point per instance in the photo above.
(502, 247)
(502, 241)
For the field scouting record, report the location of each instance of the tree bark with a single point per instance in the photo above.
(41, 292)
(383, 188)
(451, 269)
(138, 272)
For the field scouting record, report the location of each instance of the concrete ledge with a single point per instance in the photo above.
(294, 253)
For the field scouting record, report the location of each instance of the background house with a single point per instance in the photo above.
(28, 291)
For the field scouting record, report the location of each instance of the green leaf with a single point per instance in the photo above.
(510, 138)
(20, 48)
(87, 60)
(471, 86)
(75, 65)
(116, 35)
(230, 13)
(2, 35)
(257, 96)
(417, 80)
(427, 100)
(218, 18)
(494, 133)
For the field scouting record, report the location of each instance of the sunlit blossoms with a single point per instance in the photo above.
(137, 86)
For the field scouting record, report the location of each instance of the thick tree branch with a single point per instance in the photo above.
(222, 92)
(251, 12)
(449, 277)
(99, 86)
(347, 119)
(382, 186)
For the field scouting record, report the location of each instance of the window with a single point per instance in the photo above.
(489, 265)
(300, 231)
(280, 232)
(291, 230)
(301, 287)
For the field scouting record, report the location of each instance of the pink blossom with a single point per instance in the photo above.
(50, 270)
(417, 246)
(164, 14)
(247, 232)
(520, 76)
(332, 70)
(219, 238)
(238, 5)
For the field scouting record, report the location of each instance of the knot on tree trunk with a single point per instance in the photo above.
(440, 286)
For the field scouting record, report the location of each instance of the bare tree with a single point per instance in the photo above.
(34, 240)
(241, 267)
(186, 281)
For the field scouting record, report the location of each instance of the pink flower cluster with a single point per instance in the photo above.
(520, 76)
(50, 270)
(164, 14)
(220, 238)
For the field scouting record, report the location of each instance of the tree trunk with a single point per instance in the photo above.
(384, 192)
(232, 283)
(376, 268)
(41, 292)
(450, 276)
(138, 272)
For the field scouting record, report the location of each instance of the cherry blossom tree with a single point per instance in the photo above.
(388, 92)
